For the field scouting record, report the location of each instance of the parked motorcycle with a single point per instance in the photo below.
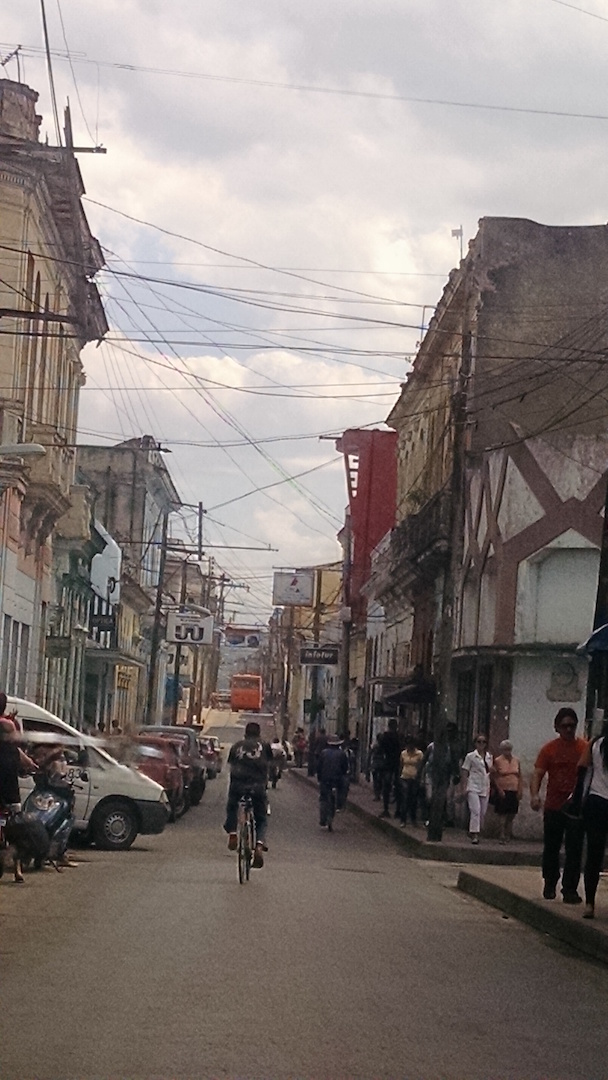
(51, 804)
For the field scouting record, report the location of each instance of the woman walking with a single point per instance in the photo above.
(476, 768)
(505, 778)
(593, 778)
(410, 762)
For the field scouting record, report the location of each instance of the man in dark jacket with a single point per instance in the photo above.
(392, 745)
(332, 772)
(248, 760)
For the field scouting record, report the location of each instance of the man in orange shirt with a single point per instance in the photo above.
(559, 760)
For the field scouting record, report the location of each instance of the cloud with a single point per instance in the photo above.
(356, 195)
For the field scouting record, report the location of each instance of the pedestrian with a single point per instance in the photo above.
(13, 761)
(558, 761)
(332, 772)
(507, 786)
(476, 768)
(455, 757)
(591, 796)
(446, 770)
(375, 766)
(299, 747)
(409, 778)
(390, 741)
(316, 744)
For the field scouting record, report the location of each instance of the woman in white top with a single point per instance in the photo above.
(594, 765)
(476, 768)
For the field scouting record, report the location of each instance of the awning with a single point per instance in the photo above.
(95, 656)
(598, 642)
(421, 691)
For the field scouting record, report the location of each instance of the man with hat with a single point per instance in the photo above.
(332, 772)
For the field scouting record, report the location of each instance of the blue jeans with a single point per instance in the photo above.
(260, 806)
(325, 787)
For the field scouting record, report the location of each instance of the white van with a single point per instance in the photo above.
(113, 802)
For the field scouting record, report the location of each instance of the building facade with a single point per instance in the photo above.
(502, 455)
(51, 310)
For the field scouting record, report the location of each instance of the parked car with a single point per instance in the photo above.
(195, 761)
(113, 802)
(159, 759)
(210, 756)
(215, 742)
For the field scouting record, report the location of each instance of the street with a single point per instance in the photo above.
(341, 958)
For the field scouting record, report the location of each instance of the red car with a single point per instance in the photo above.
(195, 765)
(210, 755)
(159, 759)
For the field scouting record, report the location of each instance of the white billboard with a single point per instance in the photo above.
(189, 628)
(293, 588)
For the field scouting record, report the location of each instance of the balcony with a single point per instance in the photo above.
(421, 542)
(47, 496)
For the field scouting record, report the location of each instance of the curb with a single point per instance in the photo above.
(434, 852)
(579, 935)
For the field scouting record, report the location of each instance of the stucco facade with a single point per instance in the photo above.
(52, 308)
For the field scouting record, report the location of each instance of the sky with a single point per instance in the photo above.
(276, 209)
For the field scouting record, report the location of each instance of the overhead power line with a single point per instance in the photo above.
(335, 91)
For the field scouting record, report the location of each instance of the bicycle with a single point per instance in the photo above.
(246, 836)
(329, 806)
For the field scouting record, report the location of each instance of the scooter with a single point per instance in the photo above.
(51, 804)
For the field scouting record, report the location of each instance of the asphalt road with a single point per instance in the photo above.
(342, 958)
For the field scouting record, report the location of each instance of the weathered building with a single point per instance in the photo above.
(51, 309)
(503, 455)
(133, 496)
(371, 475)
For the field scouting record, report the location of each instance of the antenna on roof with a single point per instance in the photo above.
(49, 65)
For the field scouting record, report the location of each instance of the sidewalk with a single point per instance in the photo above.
(455, 846)
(517, 891)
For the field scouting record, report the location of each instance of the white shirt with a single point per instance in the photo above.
(478, 768)
(599, 778)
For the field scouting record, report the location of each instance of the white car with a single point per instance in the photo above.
(113, 803)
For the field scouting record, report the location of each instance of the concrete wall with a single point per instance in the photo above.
(541, 686)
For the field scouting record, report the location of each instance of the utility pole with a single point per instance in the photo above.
(598, 667)
(155, 640)
(314, 675)
(178, 649)
(346, 629)
(287, 678)
(441, 764)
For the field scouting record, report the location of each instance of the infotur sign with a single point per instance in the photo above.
(293, 588)
(325, 655)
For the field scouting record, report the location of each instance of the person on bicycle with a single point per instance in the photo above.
(249, 759)
(332, 772)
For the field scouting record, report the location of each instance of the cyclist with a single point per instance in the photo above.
(332, 772)
(249, 759)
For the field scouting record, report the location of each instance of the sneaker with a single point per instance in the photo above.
(232, 842)
(549, 892)
(258, 858)
(589, 912)
(475, 839)
(572, 898)
(384, 813)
